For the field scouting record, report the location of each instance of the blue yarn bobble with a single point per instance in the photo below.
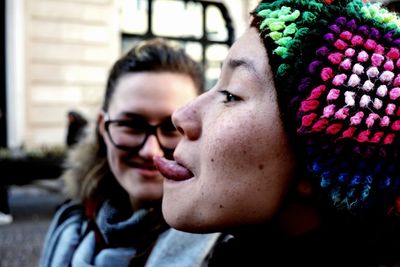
(316, 168)
(385, 183)
(366, 188)
(356, 180)
(343, 178)
(326, 180)
(336, 197)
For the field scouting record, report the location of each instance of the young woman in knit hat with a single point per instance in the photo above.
(295, 151)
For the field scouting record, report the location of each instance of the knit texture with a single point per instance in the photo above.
(337, 74)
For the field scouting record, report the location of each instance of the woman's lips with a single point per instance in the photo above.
(172, 170)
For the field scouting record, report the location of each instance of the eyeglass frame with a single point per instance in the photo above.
(148, 130)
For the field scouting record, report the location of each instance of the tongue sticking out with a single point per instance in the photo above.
(172, 170)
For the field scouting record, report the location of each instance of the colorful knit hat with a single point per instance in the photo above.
(337, 73)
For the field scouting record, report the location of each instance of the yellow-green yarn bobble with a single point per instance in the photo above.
(281, 51)
(282, 70)
(275, 35)
(290, 29)
(277, 26)
(366, 12)
(273, 17)
(381, 15)
(309, 17)
(302, 33)
(264, 13)
(275, 23)
(283, 41)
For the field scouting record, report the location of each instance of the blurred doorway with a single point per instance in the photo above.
(3, 108)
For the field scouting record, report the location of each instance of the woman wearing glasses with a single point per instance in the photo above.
(114, 218)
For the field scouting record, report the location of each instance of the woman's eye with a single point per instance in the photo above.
(229, 97)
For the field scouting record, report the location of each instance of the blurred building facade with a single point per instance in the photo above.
(58, 53)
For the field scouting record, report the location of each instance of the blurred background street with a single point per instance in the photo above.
(32, 207)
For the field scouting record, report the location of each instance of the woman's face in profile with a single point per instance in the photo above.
(236, 158)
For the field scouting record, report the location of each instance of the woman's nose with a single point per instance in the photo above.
(187, 119)
(151, 148)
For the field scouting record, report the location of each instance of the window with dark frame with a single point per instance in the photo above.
(203, 28)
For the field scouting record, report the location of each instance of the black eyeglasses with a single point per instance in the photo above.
(131, 134)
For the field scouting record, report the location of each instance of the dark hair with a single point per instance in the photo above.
(156, 55)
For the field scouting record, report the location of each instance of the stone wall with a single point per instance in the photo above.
(70, 46)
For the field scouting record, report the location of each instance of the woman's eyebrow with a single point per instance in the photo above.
(245, 63)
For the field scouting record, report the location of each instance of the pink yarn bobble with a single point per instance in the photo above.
(370, 44)
(357, 40)
(396, 81)
(377, 59)
(329, 111)
(379, 49)
(335, 58)
(326, 74)
(377, 137)
(320, 125)
(340, 44)
(357, 118)
(396, 125)
(385, 121)
(317, 92)
(346, 64)
(363, 136)
(307, 120)
(334, 128)
(349, 132)
(342, 113)
(390, 108)
(349, 52)
(389, 65)
(346, 35)
(362, 56)
(333, 94)
(371, 119)
(394, 93)
(339, 79)
(309, 105)
(393, 53)
(388, 139)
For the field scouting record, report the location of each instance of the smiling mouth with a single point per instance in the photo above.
(148, 167)
(172, 170)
